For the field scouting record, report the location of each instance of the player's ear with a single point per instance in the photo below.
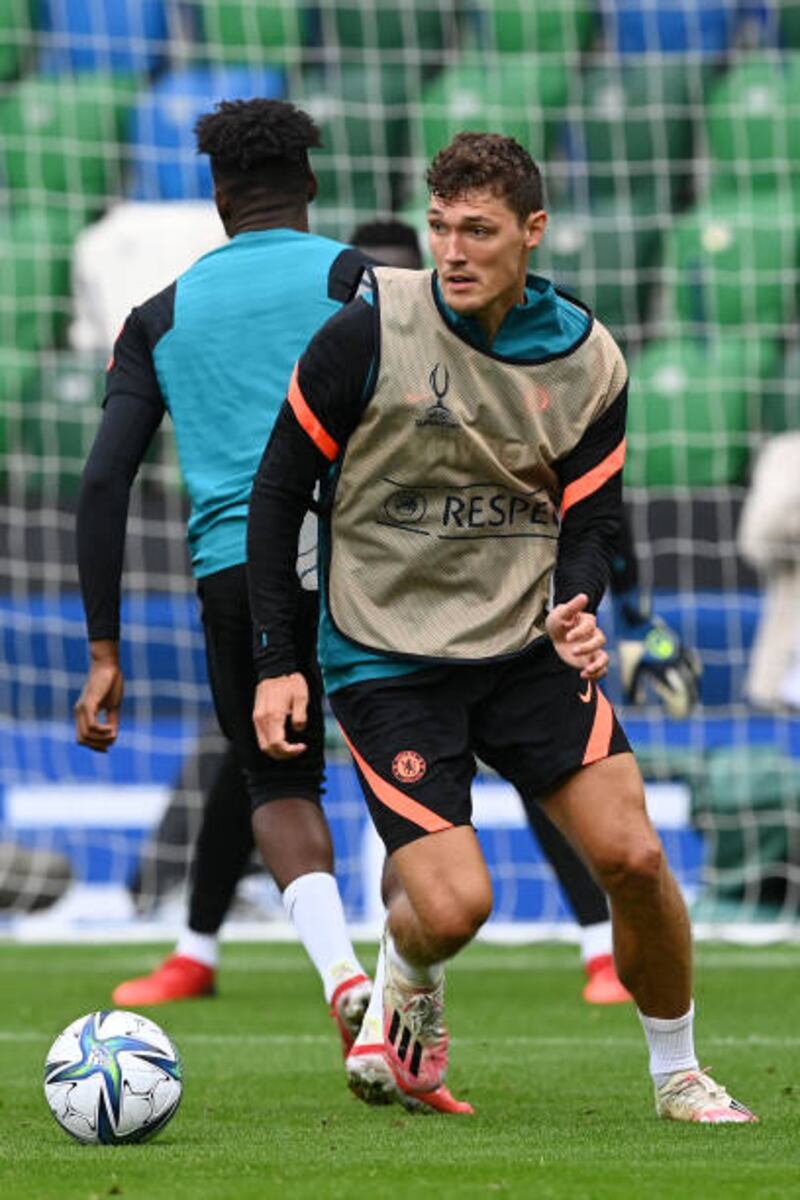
(313, 186)
(535, 223)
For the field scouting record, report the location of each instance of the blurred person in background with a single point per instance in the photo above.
(769, 539)
(215, 349)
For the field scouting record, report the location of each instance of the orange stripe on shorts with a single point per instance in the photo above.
(396, 800)
(313, 427)
(599, 742)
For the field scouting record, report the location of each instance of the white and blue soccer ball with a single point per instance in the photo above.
(113, 1077)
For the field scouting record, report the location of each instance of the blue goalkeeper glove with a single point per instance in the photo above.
(652, 656)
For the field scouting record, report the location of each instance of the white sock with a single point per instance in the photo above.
(419, 976)
(314, 906)
(596, 940)
(671, 1045)
(203, 947)
(371, 1032)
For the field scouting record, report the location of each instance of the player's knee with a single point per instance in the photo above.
(454, 919)
(634, 866)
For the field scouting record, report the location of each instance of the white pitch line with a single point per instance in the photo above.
(314, 1039)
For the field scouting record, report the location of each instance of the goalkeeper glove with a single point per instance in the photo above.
(652, 655)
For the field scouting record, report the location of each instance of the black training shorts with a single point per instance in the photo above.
(415, 738)
(229, 650)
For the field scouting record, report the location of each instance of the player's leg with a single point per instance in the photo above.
(410, 745)
(601, 808)
(550, 738)
(222, 850)
(589, 906)
(289, 824)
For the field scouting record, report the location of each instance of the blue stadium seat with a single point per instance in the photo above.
(164, 159)
(127, 36)
(672, 26)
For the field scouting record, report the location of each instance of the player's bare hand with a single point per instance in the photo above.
(577, 638)
(278, 702)
(102, 695)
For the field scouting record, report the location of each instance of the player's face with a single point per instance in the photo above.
(481, 250)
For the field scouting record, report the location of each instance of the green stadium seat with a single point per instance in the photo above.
(789, 24)
(511, 26)
(18, 375)
(607, 258)
(522, 96)
(752, 123)
(35, 257)
(410, 26)
(63, 134)
(58, 424)
(16, 37)
(691, 410)
(239, 31)
(780, 400)
(734, 265)
(359, 110)
(634, 134)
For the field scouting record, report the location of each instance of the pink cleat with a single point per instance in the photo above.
(348, 1005)
(603, 983)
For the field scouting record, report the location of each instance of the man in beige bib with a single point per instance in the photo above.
(467, 427)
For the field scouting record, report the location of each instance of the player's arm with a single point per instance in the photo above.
(651, 653)
(326, 397)
(591, 499)
(132, 411)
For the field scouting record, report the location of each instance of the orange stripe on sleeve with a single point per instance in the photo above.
(593, 480)
(318, 434)
(393, 798)
(603, 726)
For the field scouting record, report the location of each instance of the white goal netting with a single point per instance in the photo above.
(669, 138)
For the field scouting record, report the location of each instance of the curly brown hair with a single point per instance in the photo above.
(487, 161)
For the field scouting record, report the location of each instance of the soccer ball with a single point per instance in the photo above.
(113, 1077)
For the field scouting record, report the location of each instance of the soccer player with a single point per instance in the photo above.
(468, 428)
(215, 349)
(652, 657)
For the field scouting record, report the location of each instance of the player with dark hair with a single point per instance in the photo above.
(467, 427)
(215, 349)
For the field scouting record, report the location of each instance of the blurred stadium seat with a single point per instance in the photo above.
(733, 263)
(752, 121)
(35, 256)
(362, 115)
(125, 36)
(523, 96)
(238, 31)
(64, 135)
(134, 251)
(163, 154)
(606, 257)
(632, 135)
(16, 37)
(693, 410)
(649, 27)
(512, 26)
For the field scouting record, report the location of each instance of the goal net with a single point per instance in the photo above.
(669, 139)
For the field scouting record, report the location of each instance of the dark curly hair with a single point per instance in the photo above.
(258, 142)
(491, 161)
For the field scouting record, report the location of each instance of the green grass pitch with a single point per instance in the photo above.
(563, 1100)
